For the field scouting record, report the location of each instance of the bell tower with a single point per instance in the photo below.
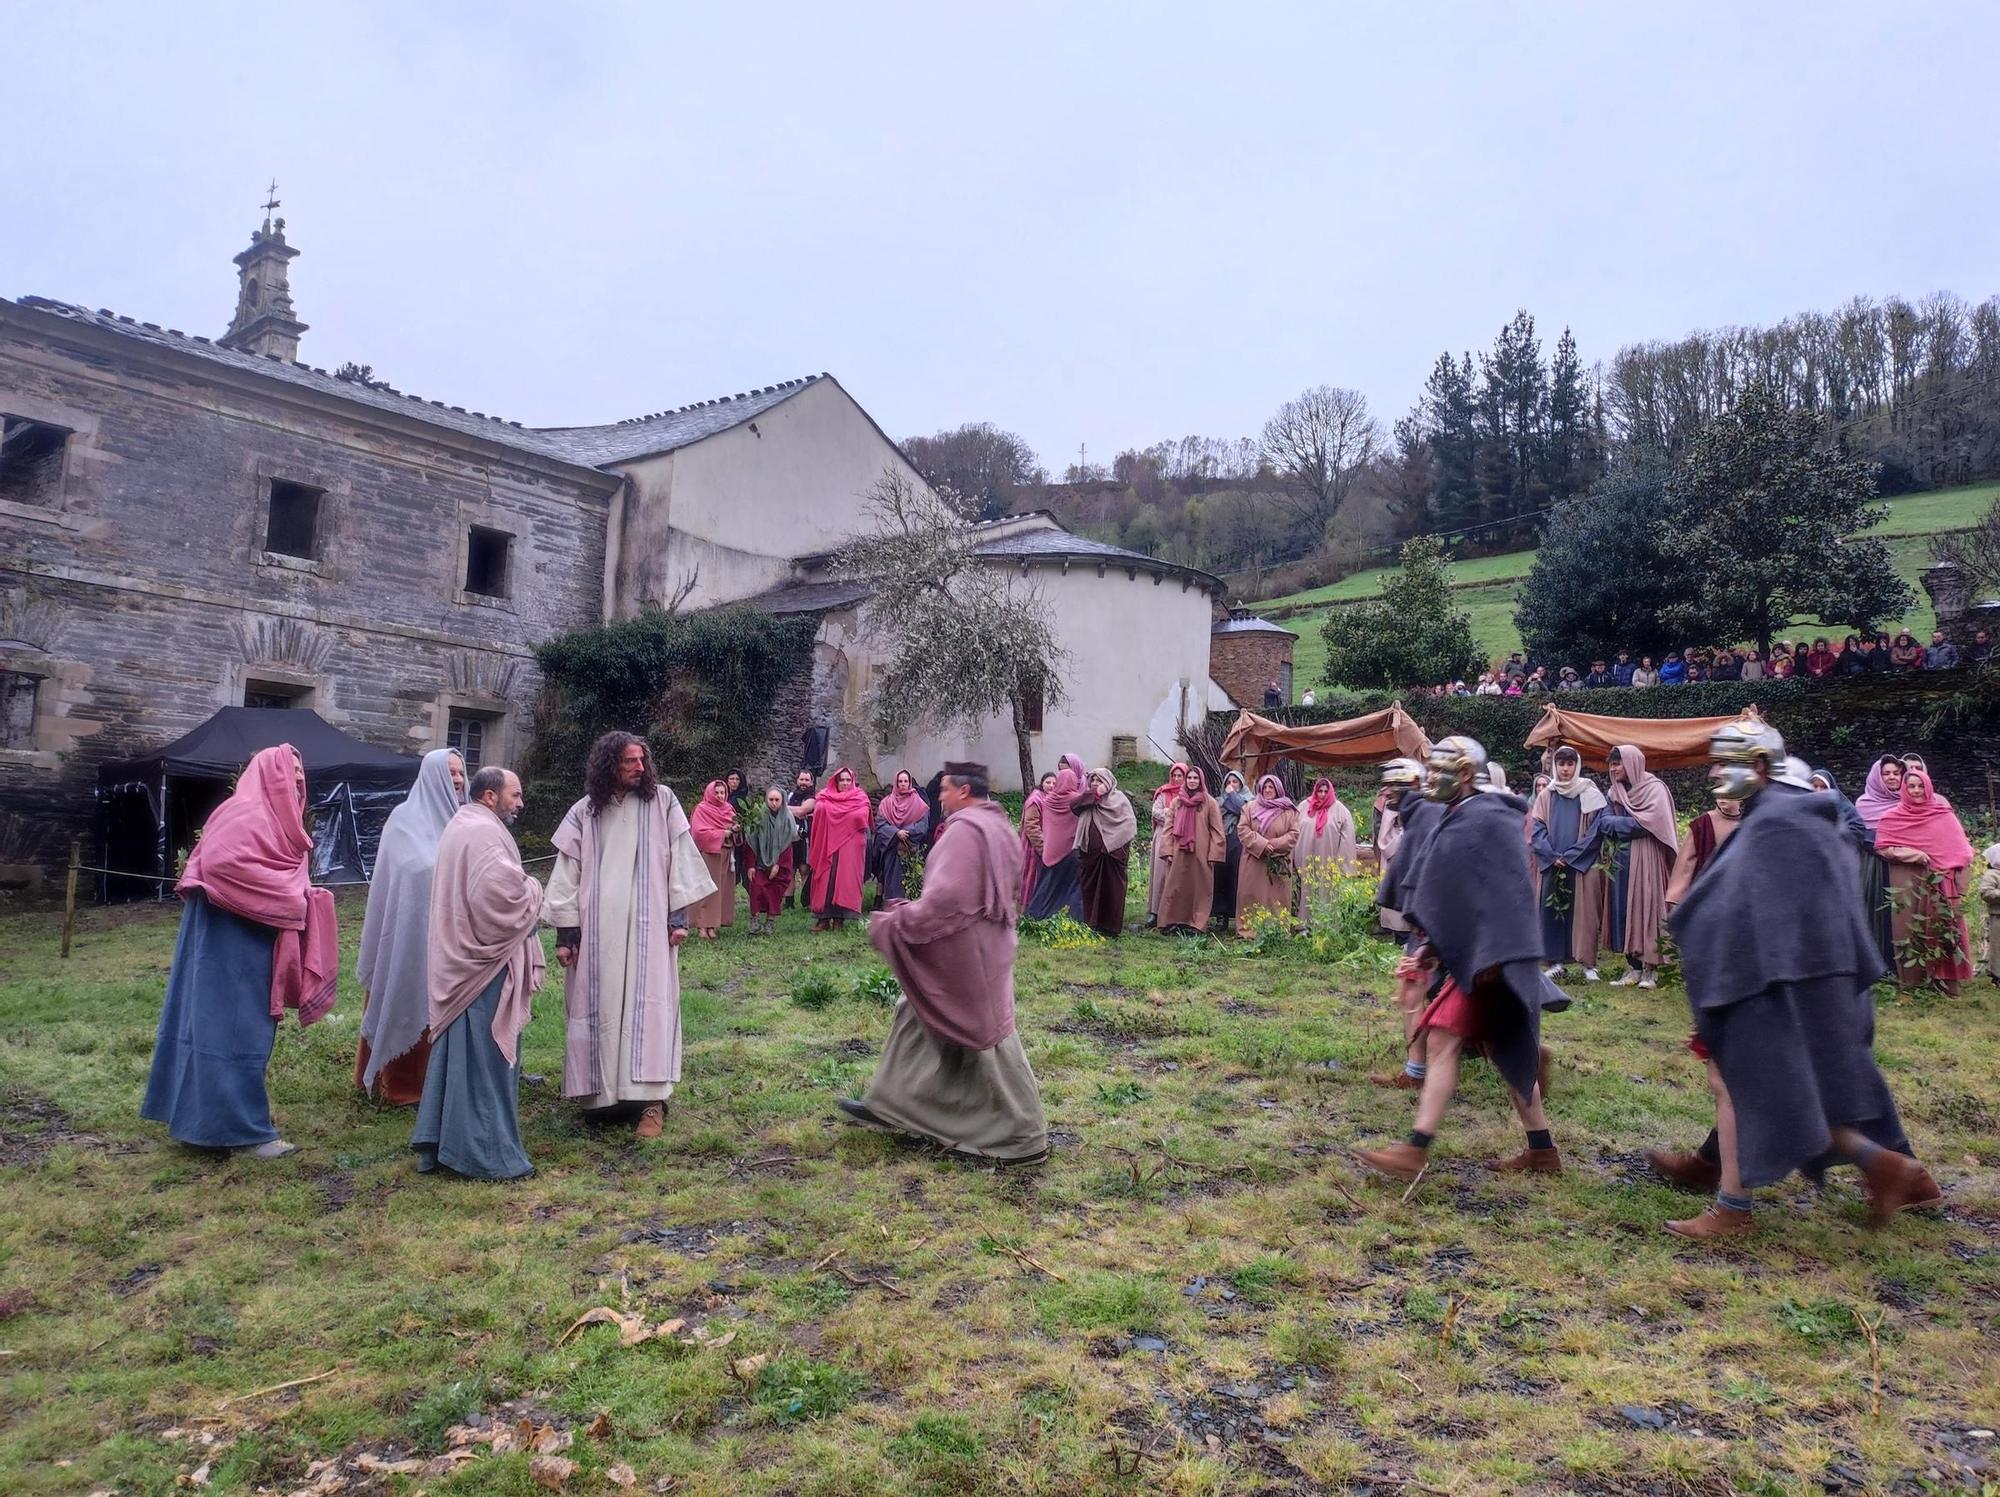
(264, 321)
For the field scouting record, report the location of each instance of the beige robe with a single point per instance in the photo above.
(1157, 872)
(1321, 852)
(718, 909)
(612, 890)
(1187, 895)
(1256, 889)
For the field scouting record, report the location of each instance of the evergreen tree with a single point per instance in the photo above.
(1605, 578)
(1452, 424)
(1569, 455)
(1410, 636)
(1772, 520)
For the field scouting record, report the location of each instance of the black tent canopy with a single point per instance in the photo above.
(151, 807)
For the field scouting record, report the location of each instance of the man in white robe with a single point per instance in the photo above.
(627, 870)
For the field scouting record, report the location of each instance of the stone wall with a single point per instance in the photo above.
(1242, 662)
(140, 594)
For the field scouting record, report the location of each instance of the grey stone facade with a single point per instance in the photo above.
(139, 593)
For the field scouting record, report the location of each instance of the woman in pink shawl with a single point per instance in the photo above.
(838, 851)
(1031, 835)
(713, 827)
(1928, 857)
(1269, 831)
(1060, 887)
(1164, 800)
(1881, 795)
(1645, 840)
(256, 938)
(902, 826)
(1326, 847)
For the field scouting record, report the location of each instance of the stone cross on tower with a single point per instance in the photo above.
(264, 321)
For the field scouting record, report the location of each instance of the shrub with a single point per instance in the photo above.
(878, 987)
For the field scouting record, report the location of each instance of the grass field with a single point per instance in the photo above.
(1198, 1294)
(1487, 585)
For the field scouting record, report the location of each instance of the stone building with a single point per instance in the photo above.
(1247, 653)
(188, 523)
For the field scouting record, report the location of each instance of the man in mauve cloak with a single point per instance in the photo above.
(953, 1071)
(627, 872)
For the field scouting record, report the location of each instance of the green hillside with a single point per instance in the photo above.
(1485, 587)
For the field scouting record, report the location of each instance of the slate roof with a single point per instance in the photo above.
(1057, 544)
(583, 446)
(808, 597)
(413, 407)
(663, 431)
(1251, 626)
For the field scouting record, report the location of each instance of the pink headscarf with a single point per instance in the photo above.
(252, 860)
(1877, 799)
(1320, 803)
(903, 807)
(1928, 825)
(1646, 799)
(1264, 812)
(1058, 813)
(1187, 809)
(713, 820)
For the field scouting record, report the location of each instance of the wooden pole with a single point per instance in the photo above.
(69, 894)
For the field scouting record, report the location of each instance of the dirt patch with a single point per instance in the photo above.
(30, 1126)
(336, 1188)
(694, 1240)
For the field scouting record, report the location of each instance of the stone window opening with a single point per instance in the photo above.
(468, 734)
(292, 528)
(487, 553)
(31, 460)
(1032, 704)
(275, 693)
(17, 709)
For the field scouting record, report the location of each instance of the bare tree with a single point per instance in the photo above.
(983, 465)
(1317, 445)
(968, 640)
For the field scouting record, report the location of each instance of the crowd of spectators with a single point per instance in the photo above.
(1855, 655)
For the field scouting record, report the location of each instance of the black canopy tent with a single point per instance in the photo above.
(150, 808)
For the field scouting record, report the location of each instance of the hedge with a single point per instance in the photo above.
(1951, 717)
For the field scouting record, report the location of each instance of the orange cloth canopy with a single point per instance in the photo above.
(1256, 744)
(1667, 742)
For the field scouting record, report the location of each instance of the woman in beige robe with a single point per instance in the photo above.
(1163, 816)
(1269, 831)
(1196, 842)
(1326, 844)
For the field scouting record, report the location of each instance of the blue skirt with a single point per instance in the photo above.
(216, 1032)
(469, 1120)
(1059, 888)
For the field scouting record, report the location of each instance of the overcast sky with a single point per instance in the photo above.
(1087, 223)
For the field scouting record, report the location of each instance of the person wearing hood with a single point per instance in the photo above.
(1235, 796)
(395, 1042)
(1106, 826)
(1164, 801)
(953, 1072)
(1059, 890)
(1929, 860)
(713, 825)
(1673, 670)
(902, 826)
(1195, 844)
(1267, 879)
(839, 851)
(1881, 793)
(1780, 969)
(1326, 848)
(769, 845)
(1474, 904)
(1645, 841)
(1563, 835)
(1031, 834)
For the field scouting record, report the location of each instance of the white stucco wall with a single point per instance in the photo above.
(1138, 665)
(737, 508)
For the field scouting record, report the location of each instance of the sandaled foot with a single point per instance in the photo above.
(1897, 1182)
(1403, 1161)
(1399, 1081)
(276, 1148)
(1688, 1171)
(1717, 1222)
(1529, 1162)
(652, 1121)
